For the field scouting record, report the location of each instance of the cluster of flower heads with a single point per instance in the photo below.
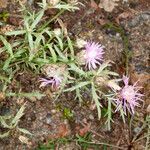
(127, 97)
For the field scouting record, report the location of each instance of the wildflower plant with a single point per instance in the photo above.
(33, 48)
(65, 67)
(13, 123)
(128, 97)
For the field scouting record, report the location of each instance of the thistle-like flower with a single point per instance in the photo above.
(54, 81)
(128, 96)
(55, 74)
(92, 55)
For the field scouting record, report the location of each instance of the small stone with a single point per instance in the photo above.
(48, 118)
(91, 117)
(53, 111)
(100, 37)
(118, 34)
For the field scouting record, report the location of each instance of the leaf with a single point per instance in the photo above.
(6, 63)
(96, 99)
(108, 5)
(77, 69)
(79, 85)
(109, 114)
(2, 121)
(60, 43)
(19, 114)
(38, 18)
(61, 55)
(24, 131)
(15, 33)
(33, 94)
(70, 47)
(54, 56)
(4, 135)
(66, 6)
(30, 40)
(7, 45)
(102, 67)
(5, 79)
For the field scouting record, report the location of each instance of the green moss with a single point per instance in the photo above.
(4, 16)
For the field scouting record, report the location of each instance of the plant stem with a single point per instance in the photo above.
(51, 20)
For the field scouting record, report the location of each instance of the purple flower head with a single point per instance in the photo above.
(128, 96)
(93, 54)
(54, 81)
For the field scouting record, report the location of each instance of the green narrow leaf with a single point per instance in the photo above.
(38, 18)
(109, 114)
(7, 46)
(96, 99)
(122, 114)
(66, 6)
(60, 43)
(31, 95)
(103, 66)
(2, 121)
(78, 95)
(77, 69)
(19, 114)
(61, 55)
(4, 135)
(79, 85)
(5, 79)
(107, 72)
(30, 40)
(6, 63)
(24, 131)
(15, 33)
(31, 45)
(54, 56)
(71, 48)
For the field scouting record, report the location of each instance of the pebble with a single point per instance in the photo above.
(91, 117)
(48, 118)
(53, 111)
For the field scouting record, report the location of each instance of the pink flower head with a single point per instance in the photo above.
(128, 96)
(93, 54)
(54, 81)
